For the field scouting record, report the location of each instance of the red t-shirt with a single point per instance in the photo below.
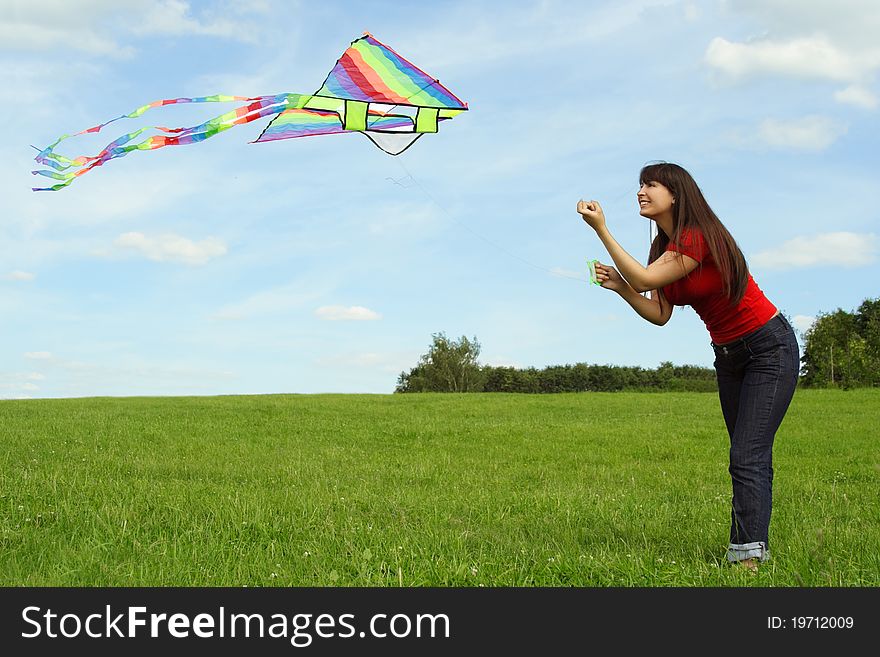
(703, 290)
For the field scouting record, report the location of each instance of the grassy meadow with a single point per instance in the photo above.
(590, 489)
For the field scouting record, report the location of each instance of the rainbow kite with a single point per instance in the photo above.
(371, 90)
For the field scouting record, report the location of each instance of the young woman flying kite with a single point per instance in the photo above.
(695, 261)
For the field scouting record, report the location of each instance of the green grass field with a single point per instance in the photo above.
(491, 490)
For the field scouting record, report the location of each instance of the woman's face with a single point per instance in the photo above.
(654, 199)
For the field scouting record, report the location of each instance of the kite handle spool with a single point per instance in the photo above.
(591, 264)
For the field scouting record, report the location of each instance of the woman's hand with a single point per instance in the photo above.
(592, 213)
(609, 278)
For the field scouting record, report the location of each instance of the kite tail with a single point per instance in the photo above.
(67, 169)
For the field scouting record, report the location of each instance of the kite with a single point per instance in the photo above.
(371, 90)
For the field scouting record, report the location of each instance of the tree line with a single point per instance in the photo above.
(452, 366)
(841, 349)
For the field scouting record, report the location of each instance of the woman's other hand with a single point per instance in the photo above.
(592, 213)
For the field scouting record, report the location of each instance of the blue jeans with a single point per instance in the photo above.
(757, 375)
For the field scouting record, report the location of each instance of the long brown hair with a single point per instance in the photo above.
(692, 212)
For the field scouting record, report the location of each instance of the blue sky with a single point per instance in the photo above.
(325, 265)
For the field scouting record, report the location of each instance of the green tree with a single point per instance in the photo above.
(868, 325)
(843, 349)
(824, 348)
(448, 366)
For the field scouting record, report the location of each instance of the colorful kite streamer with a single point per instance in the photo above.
(371, 90)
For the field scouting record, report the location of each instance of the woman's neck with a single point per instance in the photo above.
(665, 224)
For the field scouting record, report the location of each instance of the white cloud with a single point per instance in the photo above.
(19, 381)
(18, 275)
(811, 58)
(172, 248)
(855, 23)
(84, 25)
(56, 24)
(14, 389)
(23, 36)
(38, 355)
(346, 313)
(802, 322)
(841, 249)
(172, 17)
(28, 34)
(856, 95)
(810, 133)
(806, 39)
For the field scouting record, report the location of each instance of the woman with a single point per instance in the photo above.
(695, 261)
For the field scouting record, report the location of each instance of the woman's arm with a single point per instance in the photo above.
(668, 268)
(656, 310)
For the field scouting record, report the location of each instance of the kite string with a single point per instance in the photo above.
(507, 252)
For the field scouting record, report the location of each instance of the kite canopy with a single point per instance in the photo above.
(372, 72)
(371, 90)
(375, 91)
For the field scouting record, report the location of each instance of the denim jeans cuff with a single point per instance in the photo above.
(740, 551)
